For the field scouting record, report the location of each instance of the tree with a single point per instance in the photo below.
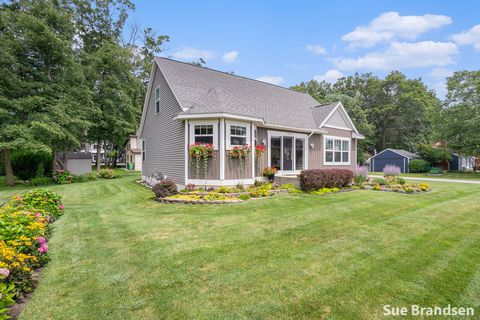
(460, 118)
(435, 156)
(43, 101)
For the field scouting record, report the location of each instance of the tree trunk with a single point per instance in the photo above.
(99, 163)
(8, 167)
(54, 161)
(115, 157)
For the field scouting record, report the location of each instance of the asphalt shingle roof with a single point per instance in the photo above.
(405, 153)
(202, 91)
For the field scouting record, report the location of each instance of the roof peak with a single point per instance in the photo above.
(231, 74)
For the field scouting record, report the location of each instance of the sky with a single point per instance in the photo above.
(287, 42)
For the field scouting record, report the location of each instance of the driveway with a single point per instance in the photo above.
(436, 179)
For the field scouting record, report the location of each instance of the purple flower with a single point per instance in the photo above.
(361, 171)
(391, 171)
(5, 272)
(20, 205)
(43, 248)
(41, 240)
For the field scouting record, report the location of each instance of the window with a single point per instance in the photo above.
(157, 100)
(237, 135)
(337, 150)
(144, 155)
(204, 132)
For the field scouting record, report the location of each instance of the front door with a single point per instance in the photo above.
(287, 153)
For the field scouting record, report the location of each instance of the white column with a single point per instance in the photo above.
(252, 144)
(186, 151)
(222, 149)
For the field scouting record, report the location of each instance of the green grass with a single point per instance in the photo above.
(445, 175)
(117, 254)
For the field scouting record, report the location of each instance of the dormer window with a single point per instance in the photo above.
(157, 100)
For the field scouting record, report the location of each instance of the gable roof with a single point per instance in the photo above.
(203, 91)
(400, 152)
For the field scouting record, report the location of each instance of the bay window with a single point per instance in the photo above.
(337, 151)
(238, 134)
(204, 132)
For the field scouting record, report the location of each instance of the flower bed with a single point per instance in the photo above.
(24, 230)
(223, 195)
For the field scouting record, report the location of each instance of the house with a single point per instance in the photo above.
(91, 148)
(76, 162)
(462, 163)
(187, 104)
(133, 153)
(396, 157)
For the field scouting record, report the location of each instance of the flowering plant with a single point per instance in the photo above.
(391, 171)
(259, 150)
(199, 151)
(61, 176)
(240, 153)
(360, 175)
(270, 172)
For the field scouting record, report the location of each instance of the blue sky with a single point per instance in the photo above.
(286, 42)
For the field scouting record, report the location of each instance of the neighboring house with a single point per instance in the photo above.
(133, 152)
(187, 104)
(462, 163)
(91, 148)
(76, 162)
(396, 157)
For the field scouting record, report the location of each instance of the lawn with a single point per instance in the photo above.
(117, 254)
(445, 175)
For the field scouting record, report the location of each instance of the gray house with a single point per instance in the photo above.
(395, 157)
(187, 105)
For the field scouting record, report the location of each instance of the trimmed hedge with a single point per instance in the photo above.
(27, 165)
(315, 179)
(418, 165)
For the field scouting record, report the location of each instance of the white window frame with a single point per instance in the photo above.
(336, 163)
(280, 134)
(229, 124)
(213, 123)
(157, 99)
(144, 150)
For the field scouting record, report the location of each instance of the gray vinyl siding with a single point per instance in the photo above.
(337, 120)
(164, 136)
(316, 154)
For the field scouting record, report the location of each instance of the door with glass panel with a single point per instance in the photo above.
(287, 153)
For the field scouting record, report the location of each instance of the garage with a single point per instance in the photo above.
(396, 157)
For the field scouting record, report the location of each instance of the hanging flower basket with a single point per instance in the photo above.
(199, 151)
(240, 153)
(259, 151)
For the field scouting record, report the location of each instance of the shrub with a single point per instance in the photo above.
(434, 155)
(43, 181)
(190, 187)
(361, 175)
(27, 165)
(165, 188)
(39, 199)
(107, 174)
(381, 181)
(401, 181)
(418, 165)
(222, 189)
(391, 171)
(62, 177)
(315, 179)
(270, 172)
(244, 197)
(424, 186)
(239, 186)
(7, 292)
(257, 183)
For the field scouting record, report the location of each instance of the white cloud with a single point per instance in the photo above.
(315, 49)
(271, 79)
(191, 53)
(471, 36)
(230, 56)
(390, 26)
(439, 73)
(400, 55)
(329, 76)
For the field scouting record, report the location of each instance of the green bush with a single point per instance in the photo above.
(84, 177)
(107, 174)
(27, 165)
(42, 181)
(418, 165)
(381, 181)
(7, 293)
(62, 177)
(244, 197)
(401, 181)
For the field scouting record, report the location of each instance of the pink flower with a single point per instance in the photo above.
(38, 214)
(43, 248)
(41, 240)
(61, 207)
(5, 272)
(20, 205)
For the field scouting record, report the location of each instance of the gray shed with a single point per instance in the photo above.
(396, 157)
(77, 162)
